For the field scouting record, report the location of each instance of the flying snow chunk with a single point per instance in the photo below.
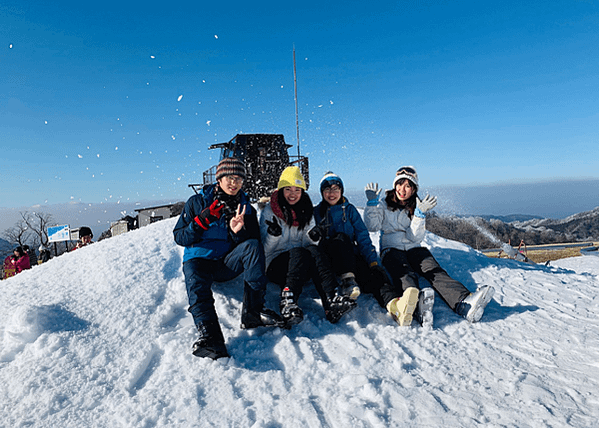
(80, 157)
(10, 46)
(180, 98)
(216, 36)
(45, 122)
(152, 56)
(173, 137)
(208, 122)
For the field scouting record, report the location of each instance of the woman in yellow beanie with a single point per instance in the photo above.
(292, 256)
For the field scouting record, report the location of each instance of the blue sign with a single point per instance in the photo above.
(59, 233)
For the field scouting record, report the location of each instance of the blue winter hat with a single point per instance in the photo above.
(329, 179)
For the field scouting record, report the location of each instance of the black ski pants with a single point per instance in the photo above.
(345, 257)
(404, 267)
(297, 266)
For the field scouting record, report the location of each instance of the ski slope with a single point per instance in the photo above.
(101, 338)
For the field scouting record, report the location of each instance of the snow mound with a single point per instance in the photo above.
(101, 337)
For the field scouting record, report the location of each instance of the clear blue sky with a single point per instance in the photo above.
(111, 101)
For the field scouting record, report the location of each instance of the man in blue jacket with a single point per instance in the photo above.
(219, 230)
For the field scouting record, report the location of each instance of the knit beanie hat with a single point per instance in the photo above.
(230, 166)
(329, 179)
(85, 231)
(408, 172)
(292, 177)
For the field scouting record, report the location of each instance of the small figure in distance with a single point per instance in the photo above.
(20, 260)
(44, 254)
(85, 237)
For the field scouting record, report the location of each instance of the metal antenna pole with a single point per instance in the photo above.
(296, 111)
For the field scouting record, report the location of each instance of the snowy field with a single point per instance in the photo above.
(101, 338)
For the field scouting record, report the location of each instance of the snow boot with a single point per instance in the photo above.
(402, 308)
(211, 343)
(337, 307)
(349, 287)
(290, 311)
(262, 318)
(473, 306)
(424, 309)
(253, 312)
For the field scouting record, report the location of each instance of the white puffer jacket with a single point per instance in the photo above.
(292, 237)
(397, 230)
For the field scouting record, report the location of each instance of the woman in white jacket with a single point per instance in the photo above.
(401, 221)
(292, 256)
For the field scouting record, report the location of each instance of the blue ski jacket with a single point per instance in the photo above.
(345, 218)
(218, 240)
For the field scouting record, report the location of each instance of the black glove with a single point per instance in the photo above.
(274, 228)
(210, 214)
(315, 234)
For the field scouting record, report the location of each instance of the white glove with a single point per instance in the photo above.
(428, 203)
(372, 191)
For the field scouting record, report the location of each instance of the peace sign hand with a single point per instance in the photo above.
(238, 221)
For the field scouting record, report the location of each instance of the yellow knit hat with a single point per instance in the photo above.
(292, 177)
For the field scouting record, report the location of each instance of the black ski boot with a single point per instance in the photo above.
(253, 312)
(211, 343)
(349, 287)
(338, 306)
(290, 311)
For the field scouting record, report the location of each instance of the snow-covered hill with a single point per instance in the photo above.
(101, 338)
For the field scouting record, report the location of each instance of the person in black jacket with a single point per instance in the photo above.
(219, 230)
(32, 256)
(45, 254)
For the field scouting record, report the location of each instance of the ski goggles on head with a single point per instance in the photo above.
(406, 170)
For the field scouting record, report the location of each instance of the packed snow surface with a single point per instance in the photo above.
(100, 337)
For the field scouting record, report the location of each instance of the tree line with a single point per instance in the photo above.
(31, 229)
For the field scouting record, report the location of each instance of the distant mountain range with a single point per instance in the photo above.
(483, 232)
(510, 218)
(570, 223)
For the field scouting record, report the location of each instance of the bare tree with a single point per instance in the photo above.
(38, 224)
(18, 234)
